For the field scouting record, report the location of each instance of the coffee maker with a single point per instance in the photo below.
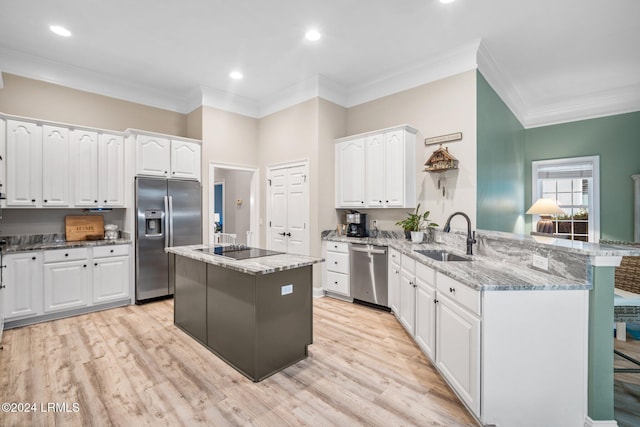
(357, 225)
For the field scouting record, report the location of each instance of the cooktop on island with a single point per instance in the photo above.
(238, 252)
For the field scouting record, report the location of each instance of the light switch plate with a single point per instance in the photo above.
(541, 262)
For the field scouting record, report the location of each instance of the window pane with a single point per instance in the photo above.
(564, 199)
(577, 198)
(551, 196)
(548, 185)
(564, 185)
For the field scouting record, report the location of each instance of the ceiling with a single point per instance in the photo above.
(550, 60)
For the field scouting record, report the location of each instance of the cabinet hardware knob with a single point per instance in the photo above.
(45, 200)
(95, 201)
(452, 290)
(174, 173)
(85, 266)
(165, 172)
(33, 200)
(379, 201)
(2, 286)
(105, 201)
(362, 202)
(66, 254)
(33, 258)
(95, 264)
(111, 251)
(335, 283)
(335, 262)
(386, 201)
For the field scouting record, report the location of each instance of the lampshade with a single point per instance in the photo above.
(216, 217)
(545, 207)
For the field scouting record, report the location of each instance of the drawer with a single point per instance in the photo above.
(337, 262)
(59, 255)
(426, 274)
(337, 282)
(111, 250)
(338, 247)
(462, 294)
(394, 256)
(408, 264)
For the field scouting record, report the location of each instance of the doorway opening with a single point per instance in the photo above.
(233, 204)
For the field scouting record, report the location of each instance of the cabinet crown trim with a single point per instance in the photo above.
(405, 127)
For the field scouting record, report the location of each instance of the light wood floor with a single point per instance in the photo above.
(131, 366)
(627, 385)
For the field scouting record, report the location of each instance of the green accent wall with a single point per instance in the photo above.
(616, 139)
(501, 169)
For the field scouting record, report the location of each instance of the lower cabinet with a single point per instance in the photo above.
(425, 310)
(393, 281)
(110, 273)
(407, 306)
(458, 350)
(23, 285)
(55, 281)
(336, 269)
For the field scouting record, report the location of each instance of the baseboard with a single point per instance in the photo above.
(318, 292)
(593, 423)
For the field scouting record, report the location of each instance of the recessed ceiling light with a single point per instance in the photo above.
(447, 1)
(61, 31)
(312, 35)
(236, 75)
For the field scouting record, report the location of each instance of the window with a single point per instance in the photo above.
(573, 184)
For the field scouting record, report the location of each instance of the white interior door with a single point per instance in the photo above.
(288, 205)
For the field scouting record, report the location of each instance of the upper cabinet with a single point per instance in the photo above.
(376, 169)
(60, 166)
(169, 158)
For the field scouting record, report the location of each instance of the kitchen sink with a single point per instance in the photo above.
(440, 255)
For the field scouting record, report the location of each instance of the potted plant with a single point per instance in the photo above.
(414, 223)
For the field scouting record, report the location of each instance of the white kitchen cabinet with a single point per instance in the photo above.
(111, 170)
(393, 282)
(168, 158)
(55, 166)
(407, 306)
(376, 169)
(24, 164)
(350, 174)
(67, 279)
(85, 164)
(110, 273)
(23, 285)
(336, 268)
(425, 309)
(3, 162)
(458, 349)
(185, 159)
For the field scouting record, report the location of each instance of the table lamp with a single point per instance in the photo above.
(545, 208)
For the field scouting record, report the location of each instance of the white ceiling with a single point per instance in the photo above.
(550, 60)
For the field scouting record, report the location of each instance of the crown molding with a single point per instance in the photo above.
(501, 83)
(228, 101)
(619, 100)
(50, 71)
(454, 61)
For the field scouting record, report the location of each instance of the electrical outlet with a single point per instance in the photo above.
(541, 262)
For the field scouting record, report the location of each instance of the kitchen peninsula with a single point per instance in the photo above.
(254, 313)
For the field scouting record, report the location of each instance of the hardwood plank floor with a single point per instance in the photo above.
(627, 385)
(132, 366)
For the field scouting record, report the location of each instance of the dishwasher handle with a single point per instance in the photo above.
(368, 250)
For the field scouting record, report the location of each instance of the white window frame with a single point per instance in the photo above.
(594, 189)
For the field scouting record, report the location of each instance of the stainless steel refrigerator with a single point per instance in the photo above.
(168, 213)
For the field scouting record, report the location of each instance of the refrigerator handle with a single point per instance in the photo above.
(166, 222)
(170, 221)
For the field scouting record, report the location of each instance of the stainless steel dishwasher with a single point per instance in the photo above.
(368, 274)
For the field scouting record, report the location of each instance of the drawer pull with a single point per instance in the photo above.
(452, 290)
(85, 266)
(335, 283)
(66, 254)
(111, 251)
(33, 258)
(335, 262)
(95, 264)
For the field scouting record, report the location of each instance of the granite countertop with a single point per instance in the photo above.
(39, 246)
(253, 266)
(481, 273)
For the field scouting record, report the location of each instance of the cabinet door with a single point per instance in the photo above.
(85, 159)
(153, 156)
(67, 285)
(393, 273)
(185, 160)
(23, 280)
(24, 164)
(110, 279)
(110, 170)
(375, 171)
(458, 350)
(394, 169)
(350, 174)
(408, 301)
(425, 318)
(55, 166)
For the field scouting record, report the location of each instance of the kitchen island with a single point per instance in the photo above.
(254, 313)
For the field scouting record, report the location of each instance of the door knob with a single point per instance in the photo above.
(288, 234)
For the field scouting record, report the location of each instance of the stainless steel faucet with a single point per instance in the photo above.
(471, 237)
